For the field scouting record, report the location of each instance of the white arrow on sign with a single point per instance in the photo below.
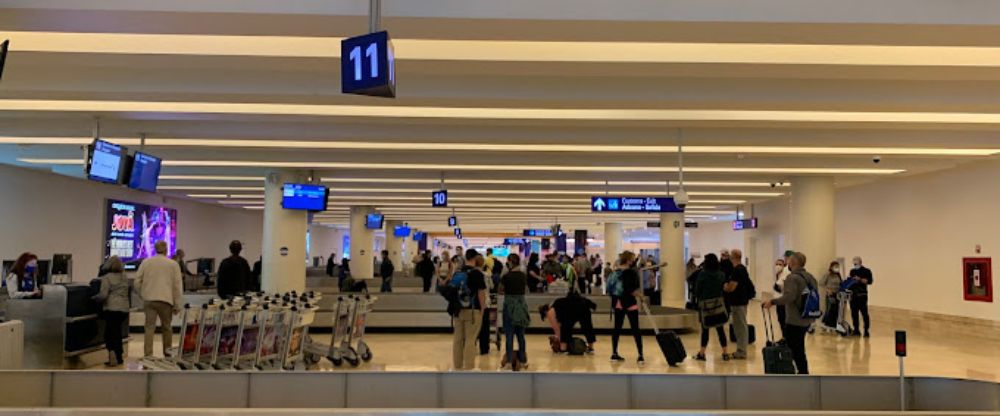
(599, 204)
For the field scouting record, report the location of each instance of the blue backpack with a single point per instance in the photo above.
(460, 281)
(615, 287)
(810, 303)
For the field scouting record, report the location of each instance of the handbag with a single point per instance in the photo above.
(713, 312)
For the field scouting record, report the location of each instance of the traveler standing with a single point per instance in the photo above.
(469, 319)
(516, 318)
(425, 269)
(331, 264)
(831, 284)
(21, 280)
(708, 293)
(115, 294)
(345, 272)
(255, 275)
(626, 304)
(862, 278)
(158, 282)
(796, 325)
(739, 290)
(583, 270)
(725, 263)
(781, 273)
(386, 270)
(690, 267)
(649, 281)
(444, 268)
(234, 273)
(535, 278)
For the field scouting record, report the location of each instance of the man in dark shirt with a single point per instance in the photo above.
(862, 278)
(468, 321)
(571, 309)
(386, 270)
(738, 291)
(234, 273)
(258, 270)
(726, 263)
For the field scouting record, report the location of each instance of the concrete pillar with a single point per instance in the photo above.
(395, 246)
(672, 252)
(410, 249)
(813, 221)
(284, 244)
(612, 241)
(362, 244)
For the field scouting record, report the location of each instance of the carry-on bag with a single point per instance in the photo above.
(777, 355)
(670, 344)
(577, 346)
(751, 334)
(832, 309)
(713, 312)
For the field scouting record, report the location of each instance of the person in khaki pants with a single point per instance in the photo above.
(468, 322)
(160, 285)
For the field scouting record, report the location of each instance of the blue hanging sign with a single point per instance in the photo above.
(633, 204)
(439, 199)
(367, 65)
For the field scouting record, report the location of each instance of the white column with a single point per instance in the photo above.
(395, 246)
(812, 221)
(672, 253)
(612, 241)
(284, 244)
(362, 244)
(410, 249)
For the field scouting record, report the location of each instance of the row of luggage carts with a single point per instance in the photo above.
(262, 332)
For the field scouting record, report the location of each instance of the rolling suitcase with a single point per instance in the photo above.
(751, 334)
(832, 309)
(777, 356)
(669, 342)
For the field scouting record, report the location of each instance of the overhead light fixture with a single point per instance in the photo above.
(499, 167)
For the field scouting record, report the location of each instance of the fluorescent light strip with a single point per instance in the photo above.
(520, 168)
(211, 178)
(512, 50)
(545, 191)
(497, 113)
(492, 147)
(541, 182)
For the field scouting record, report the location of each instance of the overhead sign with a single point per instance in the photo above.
(439, 198)
(367, 65)
(537, 232)
(656, 224)
(745, 224)
(515, 241)
(458, 233)
(453, 221)
(633, 204)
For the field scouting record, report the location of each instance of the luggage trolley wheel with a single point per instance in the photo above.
(352, 357)
(366, 353)
(311, 359)
(336, 361)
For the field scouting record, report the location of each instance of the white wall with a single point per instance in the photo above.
(326, 240)
(913, 232)
(46, 213)
(712, 237)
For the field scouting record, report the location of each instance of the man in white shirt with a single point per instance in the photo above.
(160, 285)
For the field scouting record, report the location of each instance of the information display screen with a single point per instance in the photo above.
(745, 224)
(374, 221)
(105, 162)
(537, 232)
(132, 229)
(304, 197)
(145, 173)
(401, 231)
(419, 235)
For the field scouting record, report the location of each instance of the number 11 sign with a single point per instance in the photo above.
(367, 65)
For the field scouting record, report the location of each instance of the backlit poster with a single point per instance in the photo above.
(131, 230)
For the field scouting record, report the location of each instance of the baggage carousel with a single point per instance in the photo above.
(409, 311)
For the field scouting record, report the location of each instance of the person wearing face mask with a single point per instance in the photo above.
(21, 281)
(781, 272)
(862, 277)
(831, 282)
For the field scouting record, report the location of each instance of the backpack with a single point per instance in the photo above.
(615, 287)
(577, 346)
(810, 303)
(460, 282)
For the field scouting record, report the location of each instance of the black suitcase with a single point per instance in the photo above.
(777, 356)
(670, 344)
(832, 312)
(751, 334)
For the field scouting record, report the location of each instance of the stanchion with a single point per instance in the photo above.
(901, 353)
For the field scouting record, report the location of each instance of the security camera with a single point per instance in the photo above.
(681, 198)
(876, 159)
(773, 184)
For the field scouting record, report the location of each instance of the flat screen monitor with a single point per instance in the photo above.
(145, 173)
(131, 231)
(105, 162)
(304, 197)
(418, 235)
(205, 266)
(374, 221)
(60, 263)
(401, 231)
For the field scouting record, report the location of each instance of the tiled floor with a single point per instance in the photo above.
(938, 352)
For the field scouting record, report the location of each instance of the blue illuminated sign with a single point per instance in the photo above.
(439, 198)
(537, 232)
(633, 204)
(367, 65)
(453, 221)
(745, 224)
(458, 233)
(515, 241)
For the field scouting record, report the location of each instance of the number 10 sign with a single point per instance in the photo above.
(367, 65)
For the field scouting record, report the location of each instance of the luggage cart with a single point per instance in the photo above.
(273, 329)
(208, 335)
(179, 357)
(343, 310)
(844, 327)
(227, 337)
(302, 316)
(357, 350)
(248, 339)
